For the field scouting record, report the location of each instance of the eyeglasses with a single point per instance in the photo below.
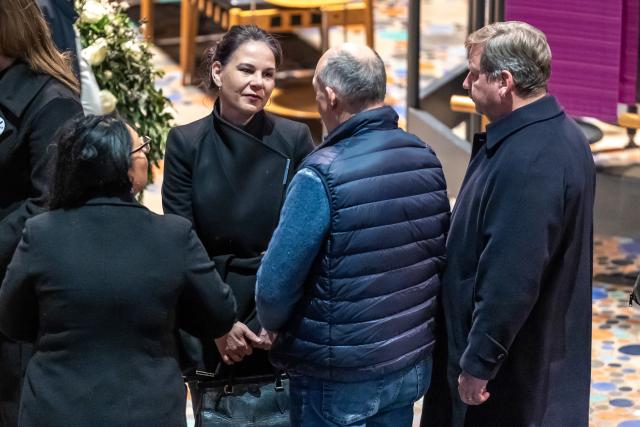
(145, 147)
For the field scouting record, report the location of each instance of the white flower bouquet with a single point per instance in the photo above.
(122, 64)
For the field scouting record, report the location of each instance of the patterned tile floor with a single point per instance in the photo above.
(615, 397)
(615, 365)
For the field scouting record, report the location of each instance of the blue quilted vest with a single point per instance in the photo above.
(370, 299)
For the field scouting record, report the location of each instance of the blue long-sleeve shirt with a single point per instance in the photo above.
(301, 232)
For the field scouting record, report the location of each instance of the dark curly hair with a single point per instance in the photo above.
(230, 42)
(92, 159)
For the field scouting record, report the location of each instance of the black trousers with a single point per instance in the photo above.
(13, 363)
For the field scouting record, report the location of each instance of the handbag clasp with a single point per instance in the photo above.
(228, 389)
(278, 385)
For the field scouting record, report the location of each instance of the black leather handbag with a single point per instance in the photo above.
(243, 402)
(635, 293)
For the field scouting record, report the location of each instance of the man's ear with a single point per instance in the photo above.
(332, 98)
(507, 85)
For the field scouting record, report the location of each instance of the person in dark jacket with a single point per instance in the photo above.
(60, 16)
(517, 289)
(99, 283)
(227, 173)
(38, 94)
(350, 278)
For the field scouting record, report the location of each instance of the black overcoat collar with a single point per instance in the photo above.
(125, 200)
(545, 108)
(260, 130)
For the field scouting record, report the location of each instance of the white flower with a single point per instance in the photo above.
(108, 29)
(171, 111)
(107, 101)
(133, 48)
(124, 5)
(95, 53)
(107, 75)
(93, 11)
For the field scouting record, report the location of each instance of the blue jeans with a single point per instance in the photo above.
(386, 401)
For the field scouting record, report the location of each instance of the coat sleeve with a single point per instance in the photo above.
(18, 301)
(206, 307)
(521, 225)
(39, 137)
(177, 180)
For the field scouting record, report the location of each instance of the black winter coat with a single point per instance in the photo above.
(100, 289)
(517, 289)
(231, 182)
(32, 108)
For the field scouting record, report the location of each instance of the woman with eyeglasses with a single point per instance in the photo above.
(227, 173)
(100, 284)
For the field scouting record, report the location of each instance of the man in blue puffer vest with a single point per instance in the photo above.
(350, 278)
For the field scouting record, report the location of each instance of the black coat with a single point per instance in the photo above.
(100, 289)
(32, 108)
(230, 182)
(517, 289)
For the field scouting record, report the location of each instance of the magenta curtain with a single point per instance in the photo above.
(594, 45)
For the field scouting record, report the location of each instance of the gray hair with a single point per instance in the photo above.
(517, 47)
(359, 81)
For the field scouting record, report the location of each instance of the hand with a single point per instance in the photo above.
(237, 343)
(268, 338)
(472, 390)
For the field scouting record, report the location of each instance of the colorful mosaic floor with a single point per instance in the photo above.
(616, 259)
(615, 398)
(615, 366)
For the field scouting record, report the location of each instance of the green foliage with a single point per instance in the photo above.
(122, 64)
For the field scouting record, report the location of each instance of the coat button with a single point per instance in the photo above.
(501, 357)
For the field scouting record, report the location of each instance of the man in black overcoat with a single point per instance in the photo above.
(517, 291)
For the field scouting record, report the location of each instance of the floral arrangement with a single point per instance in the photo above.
(121, 62)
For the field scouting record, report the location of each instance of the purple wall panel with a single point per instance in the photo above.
(586, 41)
(629, 65)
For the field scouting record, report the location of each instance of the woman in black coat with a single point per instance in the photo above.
(100, 283)
(38, 94)
(227, 173)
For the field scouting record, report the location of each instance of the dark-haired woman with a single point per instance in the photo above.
(100, 283)
(38, 94)
(227, 173)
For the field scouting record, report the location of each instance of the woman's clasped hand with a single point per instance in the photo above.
(240, 342)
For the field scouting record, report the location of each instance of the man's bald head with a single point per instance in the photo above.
(356, 73)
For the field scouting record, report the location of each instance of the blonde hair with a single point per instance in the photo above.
(24, 35)
(517, 47)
